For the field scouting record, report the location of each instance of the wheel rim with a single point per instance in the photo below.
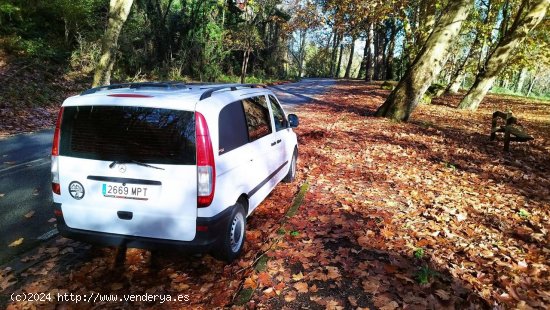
(237, 233)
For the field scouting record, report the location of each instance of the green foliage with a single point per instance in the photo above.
(261, 265)
(244, 296)
(418, 253)
(424, 274)
(388, 85)
(524, 213)
(318, 64)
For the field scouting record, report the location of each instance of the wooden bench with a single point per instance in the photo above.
(511, 128)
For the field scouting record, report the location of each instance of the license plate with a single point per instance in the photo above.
(137, 192)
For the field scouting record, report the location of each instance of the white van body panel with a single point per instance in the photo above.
(169, 213)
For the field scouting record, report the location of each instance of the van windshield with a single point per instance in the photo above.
(149, 135)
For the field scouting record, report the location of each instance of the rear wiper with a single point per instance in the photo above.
(118, 162)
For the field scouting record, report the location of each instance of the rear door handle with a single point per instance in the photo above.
(273, 143)
(278, 141)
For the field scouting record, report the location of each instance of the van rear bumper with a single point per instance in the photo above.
(204, 240)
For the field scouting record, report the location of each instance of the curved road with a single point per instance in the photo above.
(25, 176)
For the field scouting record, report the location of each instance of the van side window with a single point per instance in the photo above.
(278, 115)
(257, 117)
(232, 127)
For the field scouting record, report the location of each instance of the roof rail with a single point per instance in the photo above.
(232, 87)
(165, 85)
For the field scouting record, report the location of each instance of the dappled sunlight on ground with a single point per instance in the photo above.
(425, 214)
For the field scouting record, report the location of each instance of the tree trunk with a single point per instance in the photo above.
(350, 61)
(363, 62)
(339, 59)
(528, 17)
(405, 97)
(370, 42)
(427, 21)
(118, 13)
(391, 48)
(483, 46)
(521, 80)
(456, 83)
(246, 55)
(531, 85)
(334, 54)
(379, 48)
(302, 52)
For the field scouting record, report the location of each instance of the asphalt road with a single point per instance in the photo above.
(295, 94)
(24, 187)
(25, 176)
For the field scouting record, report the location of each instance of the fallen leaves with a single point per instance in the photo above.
(425, 214)
(301, 287)
(29, 214)
(16, 243)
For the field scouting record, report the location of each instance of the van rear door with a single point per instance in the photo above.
(129, 170)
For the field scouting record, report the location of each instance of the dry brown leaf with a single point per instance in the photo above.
(390, 306)
(301, 287)
(444, 295)
(290, 296)
(264, 279)
(333, 273)
(29, 214)
(17, 242)
(298, 276)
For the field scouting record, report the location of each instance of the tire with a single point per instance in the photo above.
(291, 175)
(232, 242)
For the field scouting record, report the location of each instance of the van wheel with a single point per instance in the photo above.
(291, 175)
(231, 243)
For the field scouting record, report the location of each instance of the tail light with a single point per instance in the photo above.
(206, 167)
(56, 188)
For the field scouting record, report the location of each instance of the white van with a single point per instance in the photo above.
(165, 164)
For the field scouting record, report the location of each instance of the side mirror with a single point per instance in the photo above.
(293, 120)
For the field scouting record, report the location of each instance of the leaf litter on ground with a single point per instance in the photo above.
(379, 191)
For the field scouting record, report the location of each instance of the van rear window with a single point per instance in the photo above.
(150, 135)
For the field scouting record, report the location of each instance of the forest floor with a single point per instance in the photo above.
(424, 214)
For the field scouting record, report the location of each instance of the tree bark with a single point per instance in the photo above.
(427, 20)
(370, 42)
(405, 97)
(302, 52)
(521, 80)
(391, 48)
(528, 17)
(334, 54)
(339, 65)
(379, 48)
(350, 61)
(244, 67)
(456, 83)
(530, 89)
(363, 62)
(118, 13)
